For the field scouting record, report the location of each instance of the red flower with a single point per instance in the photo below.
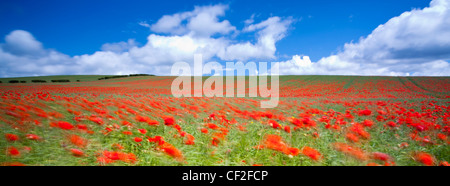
(351, 151)
(32, 137)
(275, 142)
(65, 125)
(127, 132)
(444, 163)
(365, 112)
(77, 152)
(368, 123)
(12, 137)
(169, 120)
(287, 129)
(78, 141)
(274, 124)
(351, 137)
(82, 127)
(137, 139)
(190, 140)
(442, 136)
(311, 153)
(381, 156)
(143, 131)
(424, 158)
(204, 130)
(170, 150)
(212, 126)
(392, 124)
(13, 151)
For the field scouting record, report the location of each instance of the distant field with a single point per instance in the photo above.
(320, 120)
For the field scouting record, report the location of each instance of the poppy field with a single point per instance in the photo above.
(319, 121)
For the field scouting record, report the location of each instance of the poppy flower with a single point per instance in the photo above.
(11, 137)
(351, 151)
(444, 163)
(77, 152)
(78, 141)
(311, 153)
(169, 120)
(65, 125)
(274, 124)
(204, 130)
(424, 158)
(381, 156)
(212, 126)
(352, 137)
(190, 140)
(442, 136)
(127, 132)
(142, 131)
(32, 137)
(391, 124)
(287, 129)
(365, 112)
(367, 123)
(137, 139)
(13, 151)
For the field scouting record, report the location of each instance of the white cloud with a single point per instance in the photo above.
(203, 21)
(20, 42)
(199, 31)
(269, 32)
(144, 24)
(417, 42)
(119, 47)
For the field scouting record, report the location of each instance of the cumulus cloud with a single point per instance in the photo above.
(269, 32)
(176, 38)
(415, 43)
(119, 47)
(203, 21)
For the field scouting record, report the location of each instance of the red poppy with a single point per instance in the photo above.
(13, 151)
(311, 153)
(351, 137)
(190, 140)
(425, 158)
(65, 125)
(287, 129)
(77, 152)
(381, 156)
(11, 137)
(127, 132)
(212, 126)
(204, 130)
(169, 120)
(32, 137)
(78, 141)
(137, 139)
(143, 131)
(365, 112)
(274, 124)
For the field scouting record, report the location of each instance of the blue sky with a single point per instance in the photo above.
(86, 33)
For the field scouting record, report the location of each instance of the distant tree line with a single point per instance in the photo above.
(40, 81)
(122, 76)
(67, 80)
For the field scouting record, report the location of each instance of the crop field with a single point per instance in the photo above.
(135, 121)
